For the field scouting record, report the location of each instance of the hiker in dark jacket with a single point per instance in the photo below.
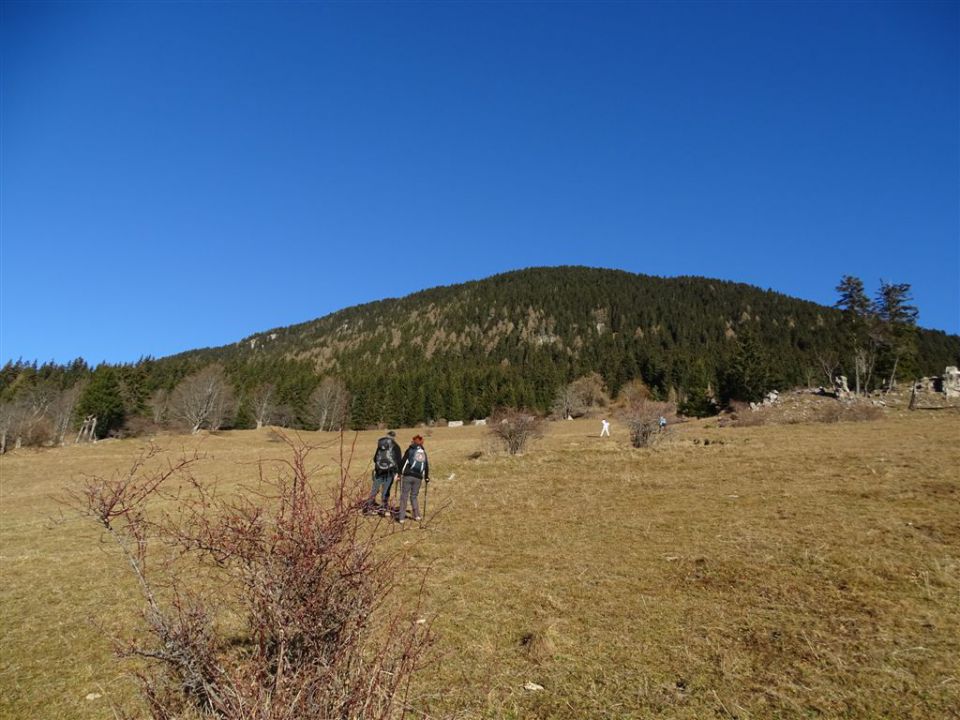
(414, 469)
(386, 469)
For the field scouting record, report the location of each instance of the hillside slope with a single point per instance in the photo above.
(513, 338)
(458, 352)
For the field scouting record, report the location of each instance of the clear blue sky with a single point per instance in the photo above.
(179, 175)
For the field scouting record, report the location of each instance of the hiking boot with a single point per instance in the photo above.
(418, 518)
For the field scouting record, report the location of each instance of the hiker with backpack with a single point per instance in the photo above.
(414, 469)
(386, 469)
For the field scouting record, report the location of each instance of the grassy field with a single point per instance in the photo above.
(787, 571)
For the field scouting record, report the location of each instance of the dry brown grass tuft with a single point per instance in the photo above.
(781, 571)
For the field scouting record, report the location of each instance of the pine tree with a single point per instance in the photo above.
(859, 318)
(899, 331)
(853, 299)
(748, 376)
(103, 399)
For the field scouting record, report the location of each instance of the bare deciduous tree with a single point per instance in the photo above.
(285, 415)
(567, 403)
(515, 428)
(864, 362)
(61, 411)
(592, 390)
(580, 396)
(632, 392)
(829, 361)
(263, 402)
(328, 404)
(160, 406)
(203, 399)
(8, 421)
(30, 410)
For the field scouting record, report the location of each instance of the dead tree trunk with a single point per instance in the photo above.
(88, 430)
(893, 374)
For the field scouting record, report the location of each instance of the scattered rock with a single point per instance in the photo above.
(840, 387)
(532, 686)
(951, 382)
(93, 696)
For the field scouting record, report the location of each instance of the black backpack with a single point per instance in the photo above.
(418, 457)
(384, 460)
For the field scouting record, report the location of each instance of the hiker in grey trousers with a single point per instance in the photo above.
(414, 470)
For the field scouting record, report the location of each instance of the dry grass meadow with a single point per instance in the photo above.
(790, 571)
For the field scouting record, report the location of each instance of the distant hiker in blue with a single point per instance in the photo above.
(414, 469)
(386, 469)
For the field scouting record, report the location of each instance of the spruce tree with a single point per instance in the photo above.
(898, 335)
(103, 399)
(748, 376)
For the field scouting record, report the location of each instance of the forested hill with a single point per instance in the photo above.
(513, 340)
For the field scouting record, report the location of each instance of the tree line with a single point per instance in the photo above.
(536, 339)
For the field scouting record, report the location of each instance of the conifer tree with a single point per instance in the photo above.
(859, 317)
(102, 398)
(899, 331)
(748, 376)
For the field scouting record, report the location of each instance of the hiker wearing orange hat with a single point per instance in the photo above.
(414, 470)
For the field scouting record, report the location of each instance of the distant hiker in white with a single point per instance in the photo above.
(605, 430)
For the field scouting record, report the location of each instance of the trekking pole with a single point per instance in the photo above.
(426, 491)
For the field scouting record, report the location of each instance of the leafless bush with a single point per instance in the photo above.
(39, 433)
(752, 418)
(864, 413)
(743, 415)
(139, 426)
(514, 428)
(642, 417)
(318, 640)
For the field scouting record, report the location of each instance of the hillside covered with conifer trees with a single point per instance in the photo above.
(514, 339)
